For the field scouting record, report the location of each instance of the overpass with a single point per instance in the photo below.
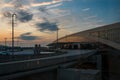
(11, 70)
(108, 35)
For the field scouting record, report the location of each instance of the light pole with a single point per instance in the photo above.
(5, 43)
(57, 39)
(13, 18)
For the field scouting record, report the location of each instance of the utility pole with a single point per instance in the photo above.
(13, 18)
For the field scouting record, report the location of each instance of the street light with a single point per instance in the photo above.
(13, 18)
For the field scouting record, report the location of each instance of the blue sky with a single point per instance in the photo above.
(106, 10)
(41, 18)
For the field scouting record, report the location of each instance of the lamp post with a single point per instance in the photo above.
(13, 18)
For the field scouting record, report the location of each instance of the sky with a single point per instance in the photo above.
(37, 21)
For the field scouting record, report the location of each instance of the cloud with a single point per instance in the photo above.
(23, 7)
(21, 15)
(7, 5)
(15, 4)
(27, 36)
(18, 8)
(50, 9)
(24, 16)
(45, 3)
(47, 26)
(20, 3)
(55, 5)
(7, 14)
(86, 9)
(59, 12)
(43, 9)
(90, 17)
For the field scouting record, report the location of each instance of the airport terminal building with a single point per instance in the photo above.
(108, 35)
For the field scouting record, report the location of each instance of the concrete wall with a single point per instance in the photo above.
(114, 66)
(47, 75)
(78, 74)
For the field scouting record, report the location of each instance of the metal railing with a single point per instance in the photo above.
(110, 34)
